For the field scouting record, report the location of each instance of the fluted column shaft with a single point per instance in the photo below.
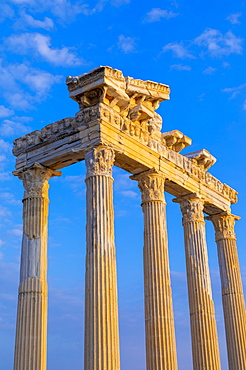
(101, 303)
(31, 328)
(159, 317)
(204, 336)
(232, 290)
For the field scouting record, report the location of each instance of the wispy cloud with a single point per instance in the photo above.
(217, 44)
(156, 14)
(40, 45)
(237, 91)
(16, 126)
(5, 146)
(5, 112)
(7, 11)
(234, 18)
(178, 50)
(209, 71)
(234, 91)
(9, 197)
(66, 11)
(127, 44)
(28, 20)
(129, 194)
(5, 150)
(17, 231)
(118, 3)
(76, 183)
(14, 76)
(4, 212)
(180, 67)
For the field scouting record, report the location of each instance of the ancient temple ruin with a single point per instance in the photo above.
(117, 125)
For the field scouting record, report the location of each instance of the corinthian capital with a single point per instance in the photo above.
(151, 183)
(191, 207)
(224, 225)
(35, 180)
(99, 161)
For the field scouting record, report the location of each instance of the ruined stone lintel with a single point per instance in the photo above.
(67, 140)
(101, 304)
(204, 336)
(109, 85)
(232, 289)
(159, 317)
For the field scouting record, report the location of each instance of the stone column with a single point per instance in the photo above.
(159, 318)
(202, 316)
(101, 303)
(232, 289)
(31, 328)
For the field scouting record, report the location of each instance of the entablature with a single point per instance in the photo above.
(133, 130)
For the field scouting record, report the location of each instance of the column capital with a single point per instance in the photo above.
(99, 161)
(151, 183)
(35, 180)
(224, 223)
(191, 206)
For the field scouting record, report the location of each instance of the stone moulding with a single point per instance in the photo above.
(104, 119)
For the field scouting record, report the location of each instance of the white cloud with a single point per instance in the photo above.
(209, 71)
(129, 194)
(118, 3)
(9, 198)
(219, 45)
(234, 18)
(16, 231)
(156, 14)
(180, 67)
(5, 112)
(37, 80)
(28, 20)
(1, 243)
(178, 49)
(127, 44)
(40, 45)
(14, 127)
(4, 212)
(5, 176)
(12, 76)
(5, 146)
(65, 10)
(226, 65)
(234, 89)
(6, 11)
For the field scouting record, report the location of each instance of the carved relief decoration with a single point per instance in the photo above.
(35, 180)
(224, 225)
(99, 161)
(106, 96)
(192, 209)
(151, 186)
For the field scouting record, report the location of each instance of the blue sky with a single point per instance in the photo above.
(196, 47)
